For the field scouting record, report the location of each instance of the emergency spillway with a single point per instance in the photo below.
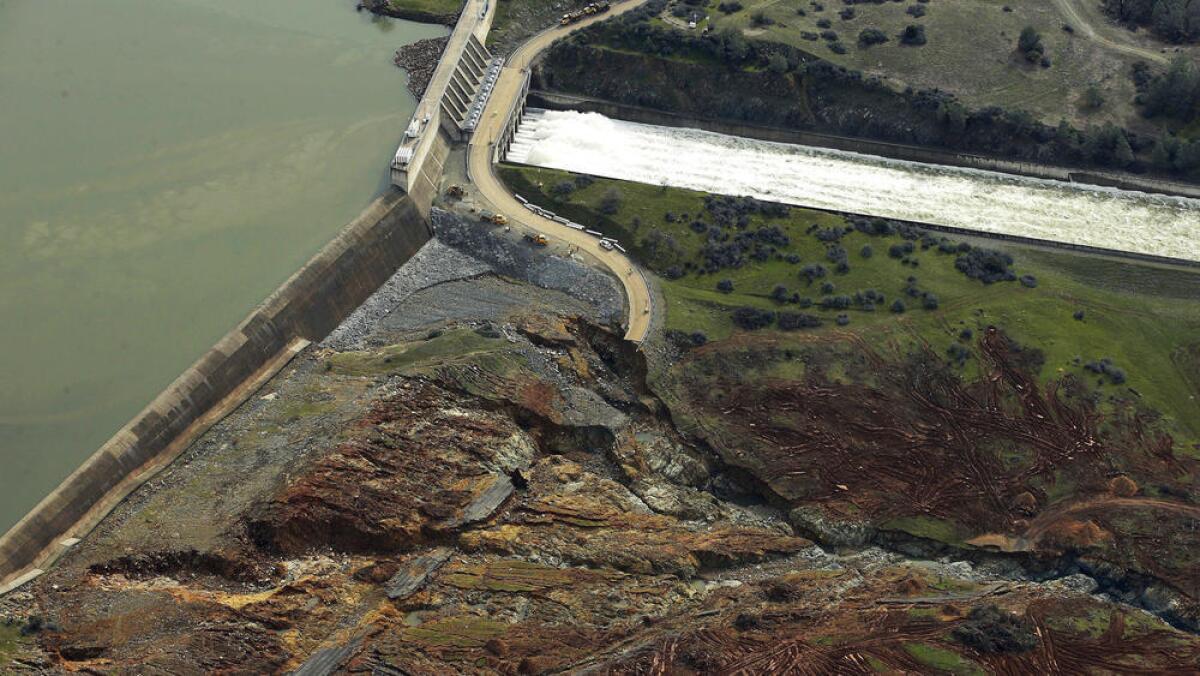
(971, 199)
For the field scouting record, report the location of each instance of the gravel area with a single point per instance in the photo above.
(486, 298)
(508, 255)
(464, 249)
(434, 264)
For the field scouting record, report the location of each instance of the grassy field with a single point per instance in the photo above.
(10, 634)
(970, 51)
(1141, 317)
(431, 7)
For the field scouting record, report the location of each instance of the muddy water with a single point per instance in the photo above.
(164, 165)
(829, 179)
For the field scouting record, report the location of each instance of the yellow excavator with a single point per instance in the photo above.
(494, 219)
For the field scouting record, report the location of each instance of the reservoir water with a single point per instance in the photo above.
(164, 165)
(830, 179)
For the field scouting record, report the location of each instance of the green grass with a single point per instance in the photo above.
(942, 659)
(1091, 622)
(927, 527)
(453, 345)
(10, 637)
(1138, 315)
(430, 7)
(970, 51)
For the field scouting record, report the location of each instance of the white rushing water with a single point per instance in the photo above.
(830, 179)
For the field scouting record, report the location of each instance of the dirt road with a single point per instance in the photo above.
(489, 187)
(1079, 20)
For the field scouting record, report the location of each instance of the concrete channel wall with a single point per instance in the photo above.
(451, 89)
(305, 308)
(620, 111)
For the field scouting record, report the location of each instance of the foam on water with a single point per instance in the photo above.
(843, 181)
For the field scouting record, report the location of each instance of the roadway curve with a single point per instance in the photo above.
(1079, 19)
(489, 187)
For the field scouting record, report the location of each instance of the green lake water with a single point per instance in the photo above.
(164, 166)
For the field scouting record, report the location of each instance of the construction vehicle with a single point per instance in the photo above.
(588, 10)
(494, 219)
(536, 239)
(456, 192)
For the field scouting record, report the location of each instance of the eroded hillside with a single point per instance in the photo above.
(500, 486)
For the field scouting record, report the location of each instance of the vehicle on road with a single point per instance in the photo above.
(536, 239)
(588, 10)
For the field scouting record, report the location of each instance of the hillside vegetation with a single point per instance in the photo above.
(639, 59)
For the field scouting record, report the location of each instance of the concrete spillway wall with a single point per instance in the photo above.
(305, 308)
(926, 155)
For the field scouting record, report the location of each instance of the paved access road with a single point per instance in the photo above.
(489, 187)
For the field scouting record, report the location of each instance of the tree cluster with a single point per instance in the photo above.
(986, 265)
(1173, 20)
(1105, 367)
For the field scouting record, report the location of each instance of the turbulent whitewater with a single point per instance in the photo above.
(829, 179)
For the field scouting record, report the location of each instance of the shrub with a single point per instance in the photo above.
(913, 35)
(725, 286)
(847, 13)
(791, 321)
(686, 341)
(752, 319)
(898, 306)
(989, 629)
(871, 36)
(866, 251)
(836, 302)
(611, 202)
(813, 271)
(1029, 43)
(1029, 281)
(760, 18)
(986, 265)
(779, 294)
(958, 354)
(842, 319)
(1078, 315)
(929, 302)
(562, 188)
(1105, 367)
(916, 11)
(730, 6)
